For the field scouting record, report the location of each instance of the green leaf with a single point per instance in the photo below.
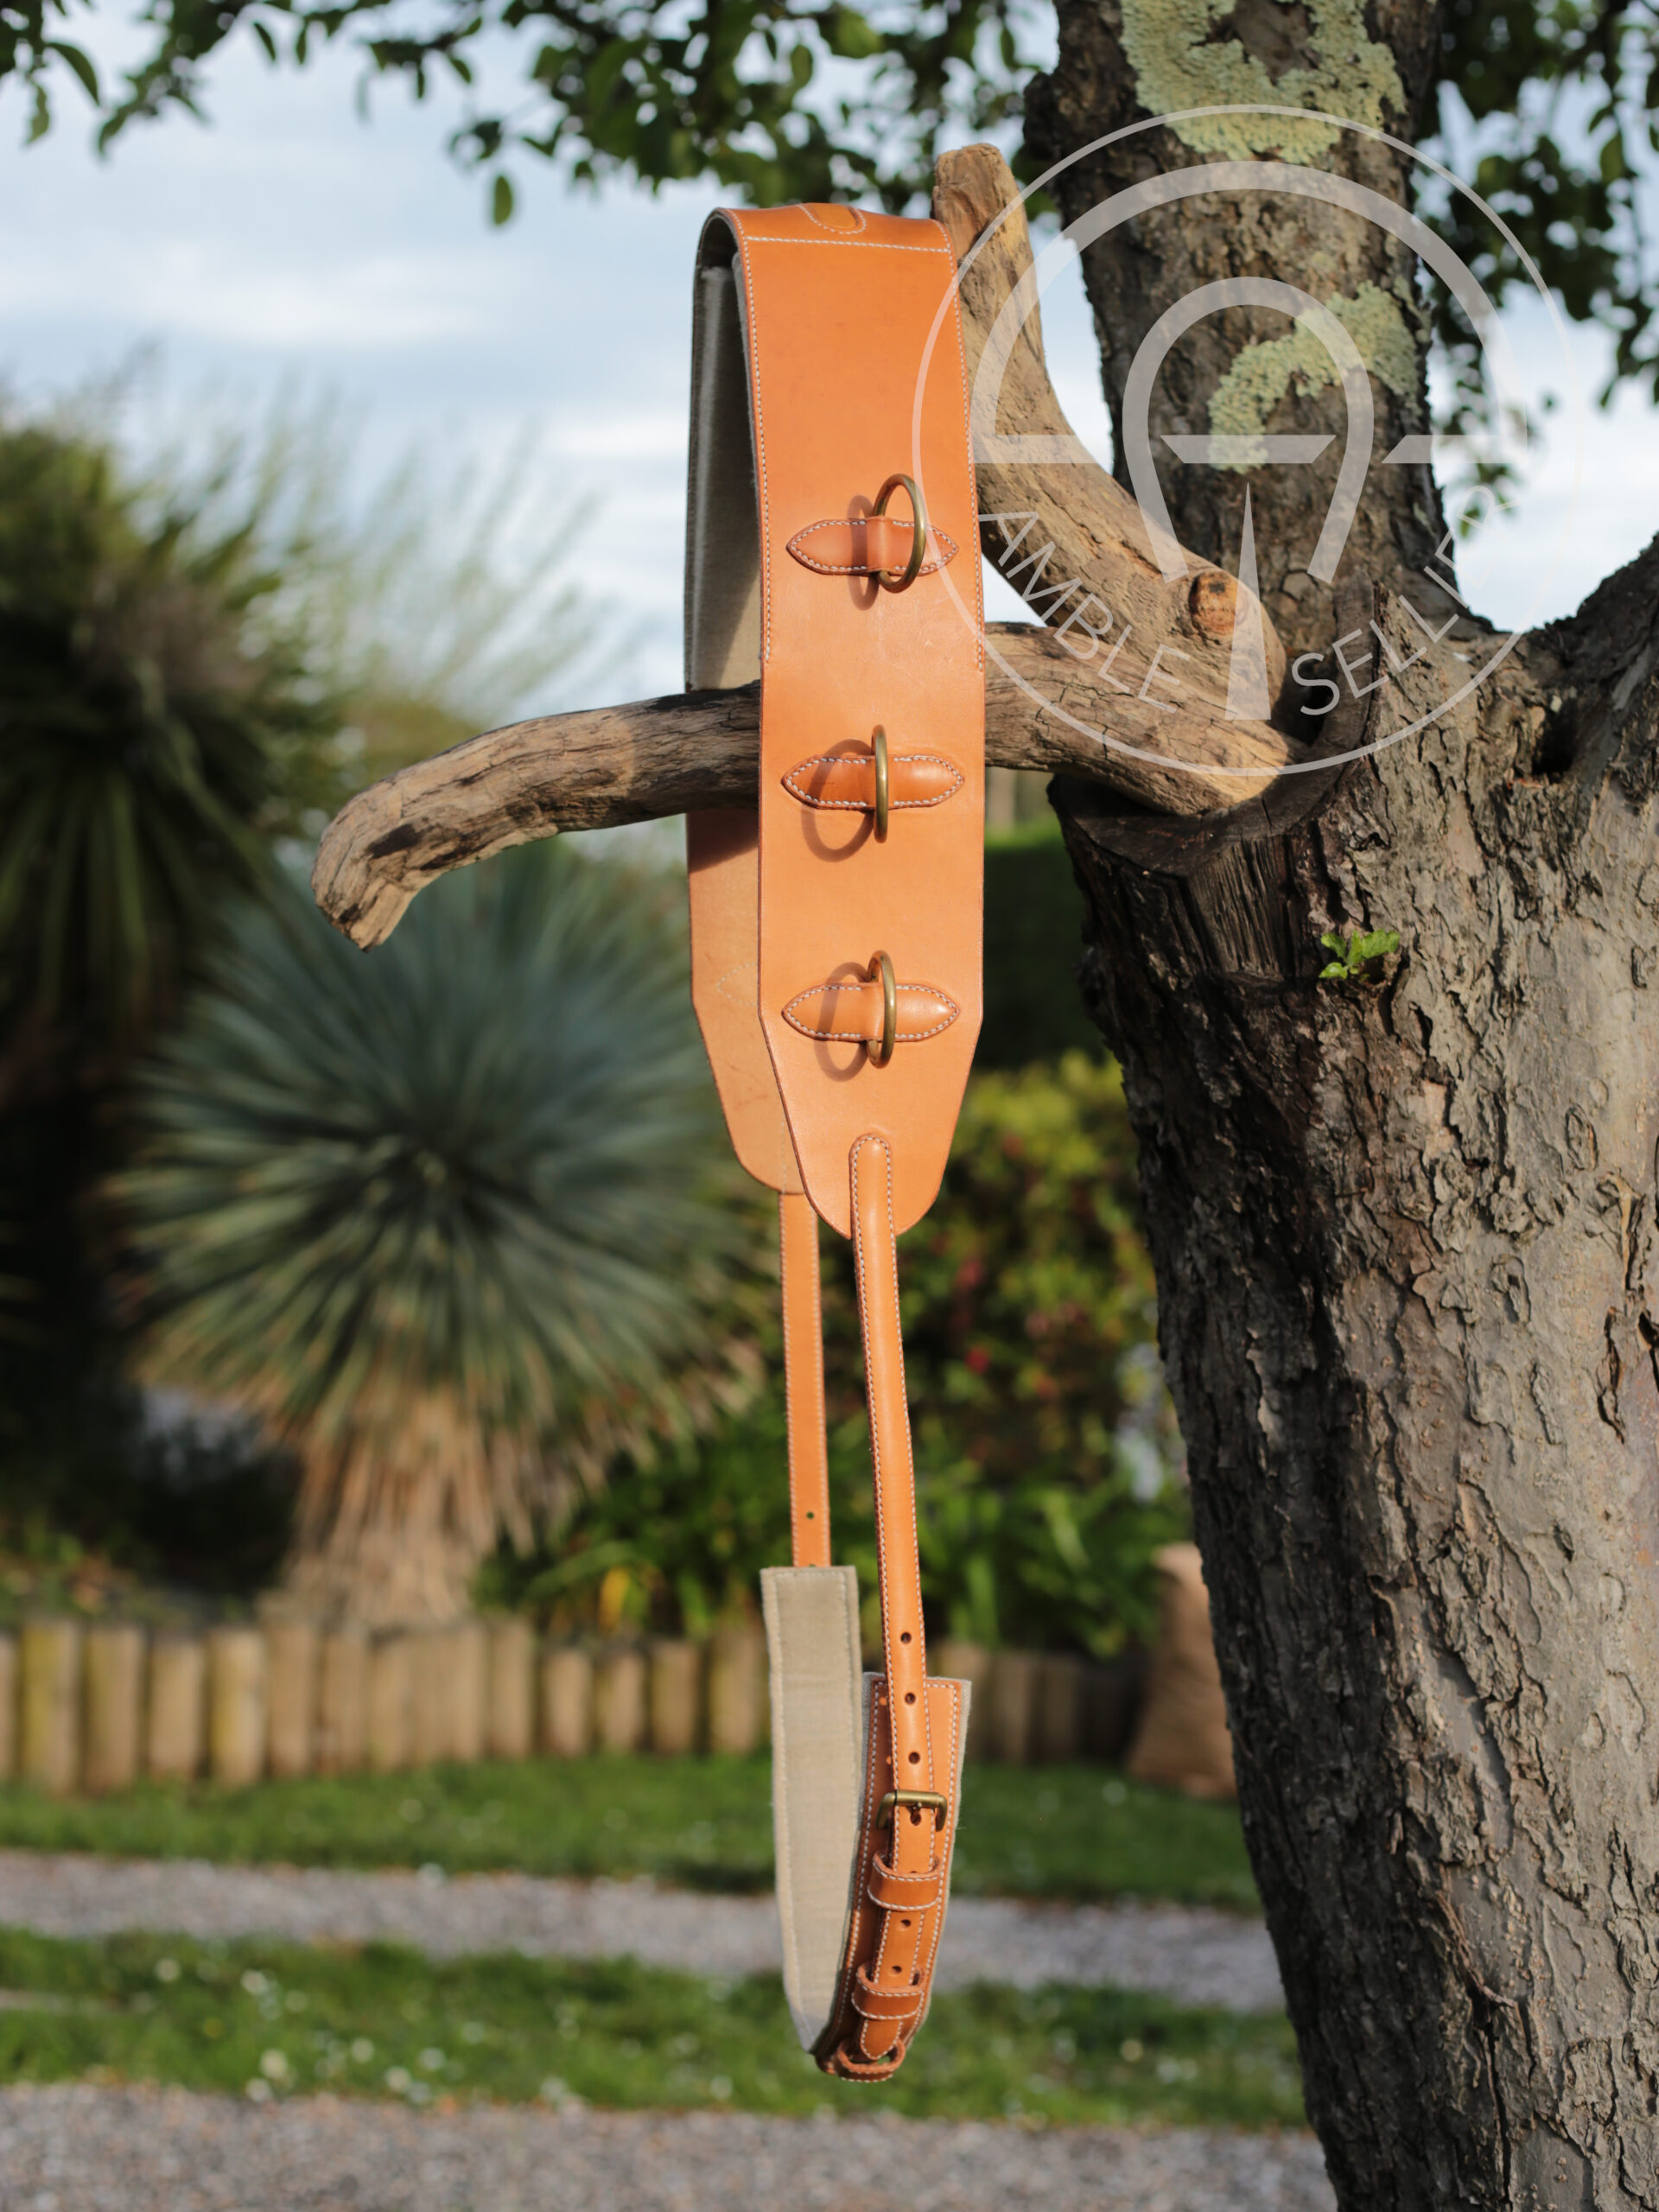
(851, 36)
(80, 63)
(1334, 972)
(501, 201)
(1375, 945)
(1334, 941)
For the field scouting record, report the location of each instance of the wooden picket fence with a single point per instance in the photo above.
(92, 1707)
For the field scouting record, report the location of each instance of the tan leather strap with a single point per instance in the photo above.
(723, 859)
(808, 1456)
(916, 1726)
(824, 546)
(848, 326)
(903, 1645)
(724, 883)
(901, 1881)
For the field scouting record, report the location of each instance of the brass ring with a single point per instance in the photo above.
(883, 783)
(880, 1055)
(901, 579)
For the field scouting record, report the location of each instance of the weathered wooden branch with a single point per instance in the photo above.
(1129, 687)
(612, 765)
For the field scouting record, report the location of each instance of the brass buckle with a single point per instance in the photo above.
(883, 782)
(920, 1799)
(902, 579)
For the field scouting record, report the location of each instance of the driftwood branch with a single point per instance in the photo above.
(1136, 684)
(612, 765)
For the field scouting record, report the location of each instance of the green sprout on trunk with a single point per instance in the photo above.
(1359, 957)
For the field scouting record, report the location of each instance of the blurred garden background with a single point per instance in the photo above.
(390, 1404)
(401, 1286)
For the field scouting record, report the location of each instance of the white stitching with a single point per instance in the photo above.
(746, 974)
(859, 806)
(855, 569)
(884, 1693)
(953, 1697)
(760, 444)
(859, 1145)
(973, 482)
(870, 245)
(857, 214)
(857, 1036)
(867, 1844)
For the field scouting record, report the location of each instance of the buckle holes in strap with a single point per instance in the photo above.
(904, 1636)
(902, 579)
(910, 1695)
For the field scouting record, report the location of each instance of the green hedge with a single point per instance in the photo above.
(1034, 940)
(1048, 1455)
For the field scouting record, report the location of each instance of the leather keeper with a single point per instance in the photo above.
(846, 2066)
(847, 781)
(904, 1892)
(869, 545)
(850, 1012)
(903, 2003)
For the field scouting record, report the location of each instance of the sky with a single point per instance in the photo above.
(291, 240)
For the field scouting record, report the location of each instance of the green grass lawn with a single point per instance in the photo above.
(269, 2019)
(1075, 1831)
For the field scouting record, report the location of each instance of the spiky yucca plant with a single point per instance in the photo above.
(444, 1215)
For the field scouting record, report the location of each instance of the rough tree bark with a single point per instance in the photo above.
(1406, 1235)
(1123, 61)
(1406, 1245)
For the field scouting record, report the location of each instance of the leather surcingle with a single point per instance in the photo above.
(836, 948)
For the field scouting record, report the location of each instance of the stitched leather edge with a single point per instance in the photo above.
(859, 567)
(836, 230)
(857, 805)
(840, 1037)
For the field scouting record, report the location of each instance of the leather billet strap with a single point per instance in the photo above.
(914, 1727)
(828, 370)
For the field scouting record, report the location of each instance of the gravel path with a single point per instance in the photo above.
(95, 2150)
(1196, 1955)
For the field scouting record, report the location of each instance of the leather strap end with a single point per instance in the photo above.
(902, 1887)
(845, 2064)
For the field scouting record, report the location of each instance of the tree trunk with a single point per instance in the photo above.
(1405, 1235)
(1404, 1223)
(1122, 61)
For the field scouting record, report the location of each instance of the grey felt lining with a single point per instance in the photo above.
(818, 1768)
(722, 525)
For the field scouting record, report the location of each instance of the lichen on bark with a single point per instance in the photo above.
(1263, 373)
(1181, 62)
